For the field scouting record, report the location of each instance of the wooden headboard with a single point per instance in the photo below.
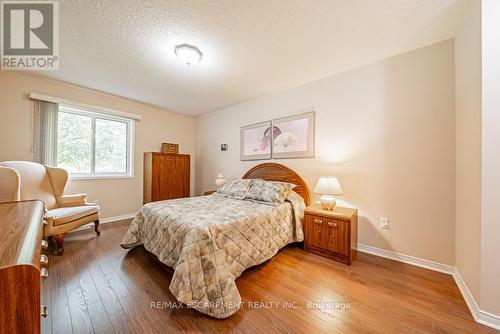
(275, 172)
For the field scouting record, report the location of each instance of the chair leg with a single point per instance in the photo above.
(59, 238)
(96, 227)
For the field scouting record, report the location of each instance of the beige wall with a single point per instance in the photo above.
(468, 110)
(490, 245)
(117, 196)
(386, 130)
(477, 102)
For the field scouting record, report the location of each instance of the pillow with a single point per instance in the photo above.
(237, 188)
(269, 191)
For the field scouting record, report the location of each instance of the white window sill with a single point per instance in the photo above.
(100, 177)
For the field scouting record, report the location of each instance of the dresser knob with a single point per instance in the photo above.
(44, 244)
(332, 224)
(44, 312)
(318, 221)
(44, 273)
(44, 259)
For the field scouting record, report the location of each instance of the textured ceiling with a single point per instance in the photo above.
(251, 47)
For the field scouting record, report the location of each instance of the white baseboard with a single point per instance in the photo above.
(117, 218)
(480, 316)
(106, 221)
(436, 266)
(488, 319)
(468, 297)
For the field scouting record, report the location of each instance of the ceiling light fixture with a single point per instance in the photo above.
(188, 54)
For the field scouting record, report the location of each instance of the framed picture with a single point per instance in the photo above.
(293, 136)
(256, 141)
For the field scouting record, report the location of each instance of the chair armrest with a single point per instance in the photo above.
(72, 200)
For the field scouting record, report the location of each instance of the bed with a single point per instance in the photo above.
(210, 240)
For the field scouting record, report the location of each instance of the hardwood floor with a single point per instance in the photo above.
(98, 287)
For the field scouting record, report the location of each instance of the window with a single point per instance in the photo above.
(93, 145)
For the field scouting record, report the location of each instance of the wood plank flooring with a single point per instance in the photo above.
(98, 287)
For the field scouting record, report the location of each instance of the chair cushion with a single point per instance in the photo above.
(69, 214)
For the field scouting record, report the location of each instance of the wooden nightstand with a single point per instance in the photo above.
(331, 233)
(209, 192)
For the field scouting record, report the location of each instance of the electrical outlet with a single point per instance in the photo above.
(384, 223)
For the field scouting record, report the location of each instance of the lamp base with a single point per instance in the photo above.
(328, 202)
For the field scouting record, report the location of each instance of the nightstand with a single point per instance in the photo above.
(209, 192)
(331, 233)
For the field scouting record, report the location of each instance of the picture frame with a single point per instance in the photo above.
(255, 141)
(293, 136)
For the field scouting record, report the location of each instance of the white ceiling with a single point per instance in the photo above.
(251, 47)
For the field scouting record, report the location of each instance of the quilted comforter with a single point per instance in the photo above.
(211, 240)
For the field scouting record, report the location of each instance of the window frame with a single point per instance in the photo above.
(129, 150)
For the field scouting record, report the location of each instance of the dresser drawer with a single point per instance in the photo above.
(21, 232)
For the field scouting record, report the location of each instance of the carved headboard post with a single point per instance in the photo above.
(275, 172)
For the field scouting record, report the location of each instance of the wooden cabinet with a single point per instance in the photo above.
(166, 176)
(331, 233)
(22, 266)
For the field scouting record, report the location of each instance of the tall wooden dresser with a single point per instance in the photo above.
(22, 266)
(166, 176)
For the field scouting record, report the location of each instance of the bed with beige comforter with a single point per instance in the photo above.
(211, 240)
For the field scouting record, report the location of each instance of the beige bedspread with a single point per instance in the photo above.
(211, 240)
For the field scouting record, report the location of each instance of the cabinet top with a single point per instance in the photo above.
(20, 232)
(166, 154)
(338, 212)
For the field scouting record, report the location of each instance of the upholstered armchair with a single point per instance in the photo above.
(25, 180)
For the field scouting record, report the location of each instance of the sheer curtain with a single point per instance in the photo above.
(45, 139)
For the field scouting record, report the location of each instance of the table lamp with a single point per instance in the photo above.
(328, 187)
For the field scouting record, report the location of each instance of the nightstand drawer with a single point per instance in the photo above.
(336, 236)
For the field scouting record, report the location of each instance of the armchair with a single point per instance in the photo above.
(25, 180)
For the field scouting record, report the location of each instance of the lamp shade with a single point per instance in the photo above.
(328, 185)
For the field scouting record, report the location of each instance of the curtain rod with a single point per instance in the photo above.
(108, 111)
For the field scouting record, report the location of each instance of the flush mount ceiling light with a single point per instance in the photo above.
(188, 54)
